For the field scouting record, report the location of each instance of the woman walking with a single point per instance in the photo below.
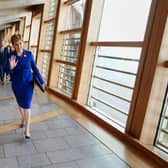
(21, 64)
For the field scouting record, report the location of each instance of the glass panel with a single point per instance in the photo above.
(127, 21)
(66, 78)
(70, 47)
(34, 51)
(118, 118)
(52, 8)
(26, 45)
(35, 30)
(113, 88)
(45, 65)
(75, 14)
(49, 35)
(113, 80)
(162, 133)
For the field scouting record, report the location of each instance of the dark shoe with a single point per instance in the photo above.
(22, 126)
(27, 137)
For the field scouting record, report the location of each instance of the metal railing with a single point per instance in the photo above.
(68, 60)
(52, 8)
(66, 78)
(70, 47)
(113, 79)
(49, 35)
(45, 65)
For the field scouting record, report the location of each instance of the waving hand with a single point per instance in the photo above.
(12, 62)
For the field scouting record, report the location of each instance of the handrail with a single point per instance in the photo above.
(116, 83)
(112, 94)
(109, 105)
(116, 70)
(118, 43)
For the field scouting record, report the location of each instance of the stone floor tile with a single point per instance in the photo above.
(20, 148)
(81, 140)
(8, 163)
(63, 165)
(33, 160)
(2, 155)
(94, 150)
(51, 144)
(59, 132)
(10, 138)
(107, 161)
(62, 156)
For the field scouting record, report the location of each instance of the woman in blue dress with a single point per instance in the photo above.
(21, 64)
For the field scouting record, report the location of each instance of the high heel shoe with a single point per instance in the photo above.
(22, 126)
(27, 137)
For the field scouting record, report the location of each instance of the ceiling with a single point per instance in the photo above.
(12, 10)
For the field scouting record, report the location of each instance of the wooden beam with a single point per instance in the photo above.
(8, 4)
(118, 44)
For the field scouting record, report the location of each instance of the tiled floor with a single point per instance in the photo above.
(9, 109)
(59, 142)
(5, 90)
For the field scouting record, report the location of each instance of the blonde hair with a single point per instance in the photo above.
(15, 38)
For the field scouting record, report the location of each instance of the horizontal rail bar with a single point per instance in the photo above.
(112, 94)
(71, 31)
(113, 120)
(65, 79)
(69, 2)
(71, 50)
(115, 70)
(69, 69)
(67, 56)
(62, 84)
(115, 83)
(118, 58)
(45, 50)
(118, 44)
(67, 74)
(162, 144)
(49, 20)
(111, 106)
(164, 130)
(66, 62)
(71, 39)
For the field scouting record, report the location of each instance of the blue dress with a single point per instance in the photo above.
(22, 78)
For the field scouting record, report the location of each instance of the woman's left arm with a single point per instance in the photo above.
(36, 70)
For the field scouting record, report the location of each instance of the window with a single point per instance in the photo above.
(162, 133)
(46, 42)
(67, 61)
(127, 21)
(117, 57)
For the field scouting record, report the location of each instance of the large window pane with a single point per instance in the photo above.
(52, 8)
(66, 78)
(45, 65)
(162, 133)
(70, 47)
(49, 35)
(75, 14)
(113, 81)
(127, 21)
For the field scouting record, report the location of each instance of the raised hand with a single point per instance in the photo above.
(12, 62)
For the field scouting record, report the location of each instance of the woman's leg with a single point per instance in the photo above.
(27, 113)
(22, 115)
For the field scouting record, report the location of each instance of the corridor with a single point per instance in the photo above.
(100, 63)
(57, 142)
